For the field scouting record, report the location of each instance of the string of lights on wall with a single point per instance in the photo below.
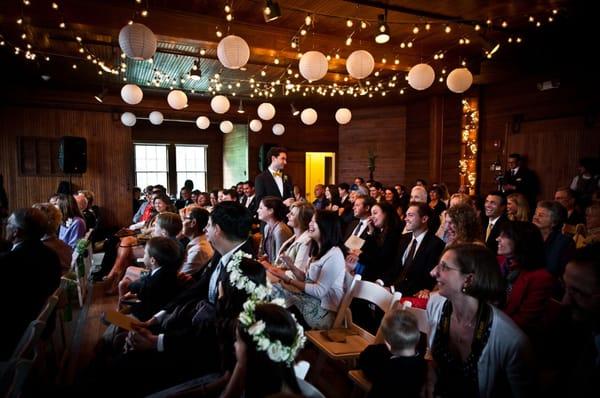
(469, 144)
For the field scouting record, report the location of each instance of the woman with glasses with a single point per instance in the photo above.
(477, 350)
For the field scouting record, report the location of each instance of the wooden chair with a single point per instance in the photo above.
(357, 338)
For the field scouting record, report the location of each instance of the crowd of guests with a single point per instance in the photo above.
(511, 289)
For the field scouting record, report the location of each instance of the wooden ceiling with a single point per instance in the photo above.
(86, 49)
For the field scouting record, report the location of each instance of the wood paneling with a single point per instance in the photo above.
(381, 130)
(109, 157)
(450, 150)
(418, 141)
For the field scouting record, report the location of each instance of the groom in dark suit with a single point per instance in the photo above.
(272, 181)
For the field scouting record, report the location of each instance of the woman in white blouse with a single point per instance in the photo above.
(318, 296)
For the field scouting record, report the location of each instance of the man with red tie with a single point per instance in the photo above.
(272, 181)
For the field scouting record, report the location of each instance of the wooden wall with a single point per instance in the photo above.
(381, 130)
(109, 157)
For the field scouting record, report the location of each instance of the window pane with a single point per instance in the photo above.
(191, 165)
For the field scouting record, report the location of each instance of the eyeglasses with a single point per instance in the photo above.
(444, 267)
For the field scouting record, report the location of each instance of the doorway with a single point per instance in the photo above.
(320, 169)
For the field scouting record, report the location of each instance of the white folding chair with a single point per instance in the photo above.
(82, 273)
(301, 369)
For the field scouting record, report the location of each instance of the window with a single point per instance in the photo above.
(153, 163)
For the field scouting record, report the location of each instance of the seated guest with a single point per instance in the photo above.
(549, 218)
(321, 292)
(517, 207)
(333, 196)
(523, 265)
(345, 210)
(294, 254)
(395, 365)
(320, 202)
(72, 227)
(198, 250)
(463, 225)
(587, 180)
(160, 204)
(566, 197)
(418, 194)
(591, 232)
(250, 197)
(456, 199)
(91, 212)
(362, 212)
(162, 257)
(30, 273)
(62, 250)
(185, 198)
(229, 195)
(477, 350)
(137, 201)
(144, 210)
(437, 205)
(272, 212)
(495, 215)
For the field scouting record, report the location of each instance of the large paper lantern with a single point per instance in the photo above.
(219, 104)
(278, 129)
(313, 65)
(156, 118)
(177, 99)
(132, 94)
(459, 80)
(202, 122)
(128, 119)
(308, 116)
(421, 76)
(266, 111)
(360, 64)
(233, 52)
(343, 116)
(255, 125)
(137, 41)
(226, 126)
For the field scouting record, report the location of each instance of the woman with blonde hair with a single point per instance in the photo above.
(517, 207)
(62, 250)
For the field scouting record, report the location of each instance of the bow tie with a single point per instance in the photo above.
(277, 174)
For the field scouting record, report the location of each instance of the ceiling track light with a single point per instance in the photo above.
(383, 30)
(271, 11)
(241, 108)
(295, 112)
(100, 97)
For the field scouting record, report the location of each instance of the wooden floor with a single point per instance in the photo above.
(332, 379)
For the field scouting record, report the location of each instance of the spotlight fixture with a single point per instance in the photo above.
(271, 11)
(100, 97)
(195, 72)
(295, 112)
(383, 30)
(241, 108)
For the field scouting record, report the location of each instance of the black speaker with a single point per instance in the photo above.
(263, 162)
(72, 155)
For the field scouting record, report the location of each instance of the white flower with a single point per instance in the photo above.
(275, 352)
(278, 301)
(257, 328)
(263, 344)
(249, 306)
(245, 319)
(250, 286)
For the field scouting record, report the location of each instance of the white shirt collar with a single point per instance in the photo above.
(227, 256)
(154, 270)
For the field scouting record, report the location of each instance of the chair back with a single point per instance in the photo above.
(26, 347)
(422, 320)
(48, 308)
(301, 369)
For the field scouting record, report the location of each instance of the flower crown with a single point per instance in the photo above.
(242, 282)
(276, 351)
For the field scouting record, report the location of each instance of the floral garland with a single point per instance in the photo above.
(276, 351)
(242, 282)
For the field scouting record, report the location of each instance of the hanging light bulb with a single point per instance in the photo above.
(383, 30)
(271, 11)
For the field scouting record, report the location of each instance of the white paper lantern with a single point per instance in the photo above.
(421, 76)
(343, 116)
(266, 111)
(177, 99)
(137, 41)
(202, 122)
(360, 64)
(156, 118)
(459, 80)
(308, 116)
(226, 126)
(233, 52)
(219, 104)
(313, 65)
(278, 129)
(128, 119)
(132, 94)
(255, 125)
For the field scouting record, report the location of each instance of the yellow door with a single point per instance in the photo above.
(320, 169)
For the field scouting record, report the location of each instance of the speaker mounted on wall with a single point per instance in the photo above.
(72, 155)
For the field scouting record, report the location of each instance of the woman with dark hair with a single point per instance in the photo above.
(263, 370)
(318, 296)
(437, 205)
(72, 227)
(523, 265)
(391, 197)
(549, 217)
(333, 196)
(478, 351)
(272, 211)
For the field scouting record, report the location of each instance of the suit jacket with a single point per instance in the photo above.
(378, 254)
(525, 182)
(491, 242)
(350, 229)
(30, 273)
(265, 185)
(253, 206)
(416, 277)
(154, 290)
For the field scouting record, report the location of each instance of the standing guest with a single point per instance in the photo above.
(272, 211)
(30, 273)
(477, 350)
(62, 250)
(518, 178)
(420, 182)
(320, 202)
(549, 218)
(587, 180)
(566, 197)
(495, 215)
(517, 208)
(198, 250)
(72, 227)
(321, 292)
(272, 181)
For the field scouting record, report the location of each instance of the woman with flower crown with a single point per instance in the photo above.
(318, 296)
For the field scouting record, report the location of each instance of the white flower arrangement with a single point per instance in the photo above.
(276, 351)
(242, 282)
